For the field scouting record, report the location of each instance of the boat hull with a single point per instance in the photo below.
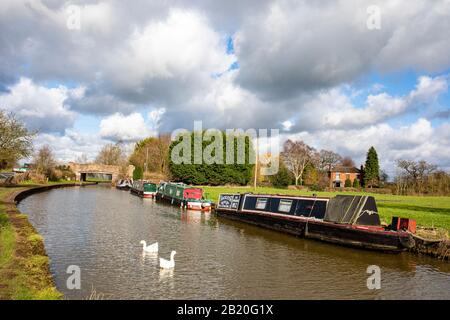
(181, 203)
(142, 194)
(358, 237)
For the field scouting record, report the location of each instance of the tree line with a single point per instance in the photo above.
(421, 177)
(300, 164)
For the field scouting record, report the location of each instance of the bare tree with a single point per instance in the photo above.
(416, 170)
(328, 159)
(111, 154)
(415, 173)
(44, 161)
(347, 162)
(83, 159)
(296, 155)
(15, 140)
(384, 177)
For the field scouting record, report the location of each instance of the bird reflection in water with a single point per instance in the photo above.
(166, 276)
(149, 257)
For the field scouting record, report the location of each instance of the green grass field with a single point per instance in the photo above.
(427, 211)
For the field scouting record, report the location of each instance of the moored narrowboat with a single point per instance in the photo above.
(144, 189)
(182, 195)
(345, 219)
(124, 184)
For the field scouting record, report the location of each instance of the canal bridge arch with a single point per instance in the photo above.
(82, 170)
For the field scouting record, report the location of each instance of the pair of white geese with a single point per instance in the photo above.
(163, 263)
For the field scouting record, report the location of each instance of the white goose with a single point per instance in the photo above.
(168, 264)
(153, 248)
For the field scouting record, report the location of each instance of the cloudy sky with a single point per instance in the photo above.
(322, 71)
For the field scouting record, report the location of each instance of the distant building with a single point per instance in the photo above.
(339, 174)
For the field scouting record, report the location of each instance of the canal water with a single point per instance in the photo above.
(99, 229)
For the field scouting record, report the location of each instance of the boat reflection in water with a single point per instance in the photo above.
(195, 216)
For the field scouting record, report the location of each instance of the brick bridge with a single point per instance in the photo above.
(81, 170)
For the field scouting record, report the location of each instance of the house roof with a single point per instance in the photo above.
(345, 169)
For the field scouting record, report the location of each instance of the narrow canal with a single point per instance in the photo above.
(99, 229)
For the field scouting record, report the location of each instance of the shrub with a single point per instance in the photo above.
(38, 177)
(356, 183)
(55, 175)
(316, 187)
(66, 172)
(348, 183)
(137, 173)
(282, 179)
(20, 177)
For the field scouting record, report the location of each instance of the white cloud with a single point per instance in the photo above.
(297, 46)
(167, 60)
(287, 125)
(154, 118)
(334, 109)
(428, 89)
(41, 108)
(71, 145)
(129, 128)
(419, 140)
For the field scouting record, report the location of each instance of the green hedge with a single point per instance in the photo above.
(211, 174)
(348, 183)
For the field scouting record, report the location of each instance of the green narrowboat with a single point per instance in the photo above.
(144, 189)
(183, 195)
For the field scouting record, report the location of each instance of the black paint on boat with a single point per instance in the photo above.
(345, 220)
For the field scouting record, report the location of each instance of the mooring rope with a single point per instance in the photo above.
(345, 214)
(359, 207)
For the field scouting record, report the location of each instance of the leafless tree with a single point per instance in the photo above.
(296, 155)
(111, 154)
(83, 159)
(414, 174)
(44, 161)
(347, 162)
(383, 177)
(327, 159)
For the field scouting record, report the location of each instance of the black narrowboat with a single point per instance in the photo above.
(345, 219)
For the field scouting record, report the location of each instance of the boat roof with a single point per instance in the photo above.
(280, 195)
(181, 184)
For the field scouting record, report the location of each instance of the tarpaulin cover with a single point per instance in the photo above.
(360, 210)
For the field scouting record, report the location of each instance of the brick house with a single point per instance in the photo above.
(339, 174)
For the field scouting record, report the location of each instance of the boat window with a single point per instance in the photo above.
(285, 205)
(261, 203)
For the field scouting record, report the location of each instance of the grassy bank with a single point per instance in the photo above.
(427, 211)
(24, 265)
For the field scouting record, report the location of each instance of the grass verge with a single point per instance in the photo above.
(24, 265)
